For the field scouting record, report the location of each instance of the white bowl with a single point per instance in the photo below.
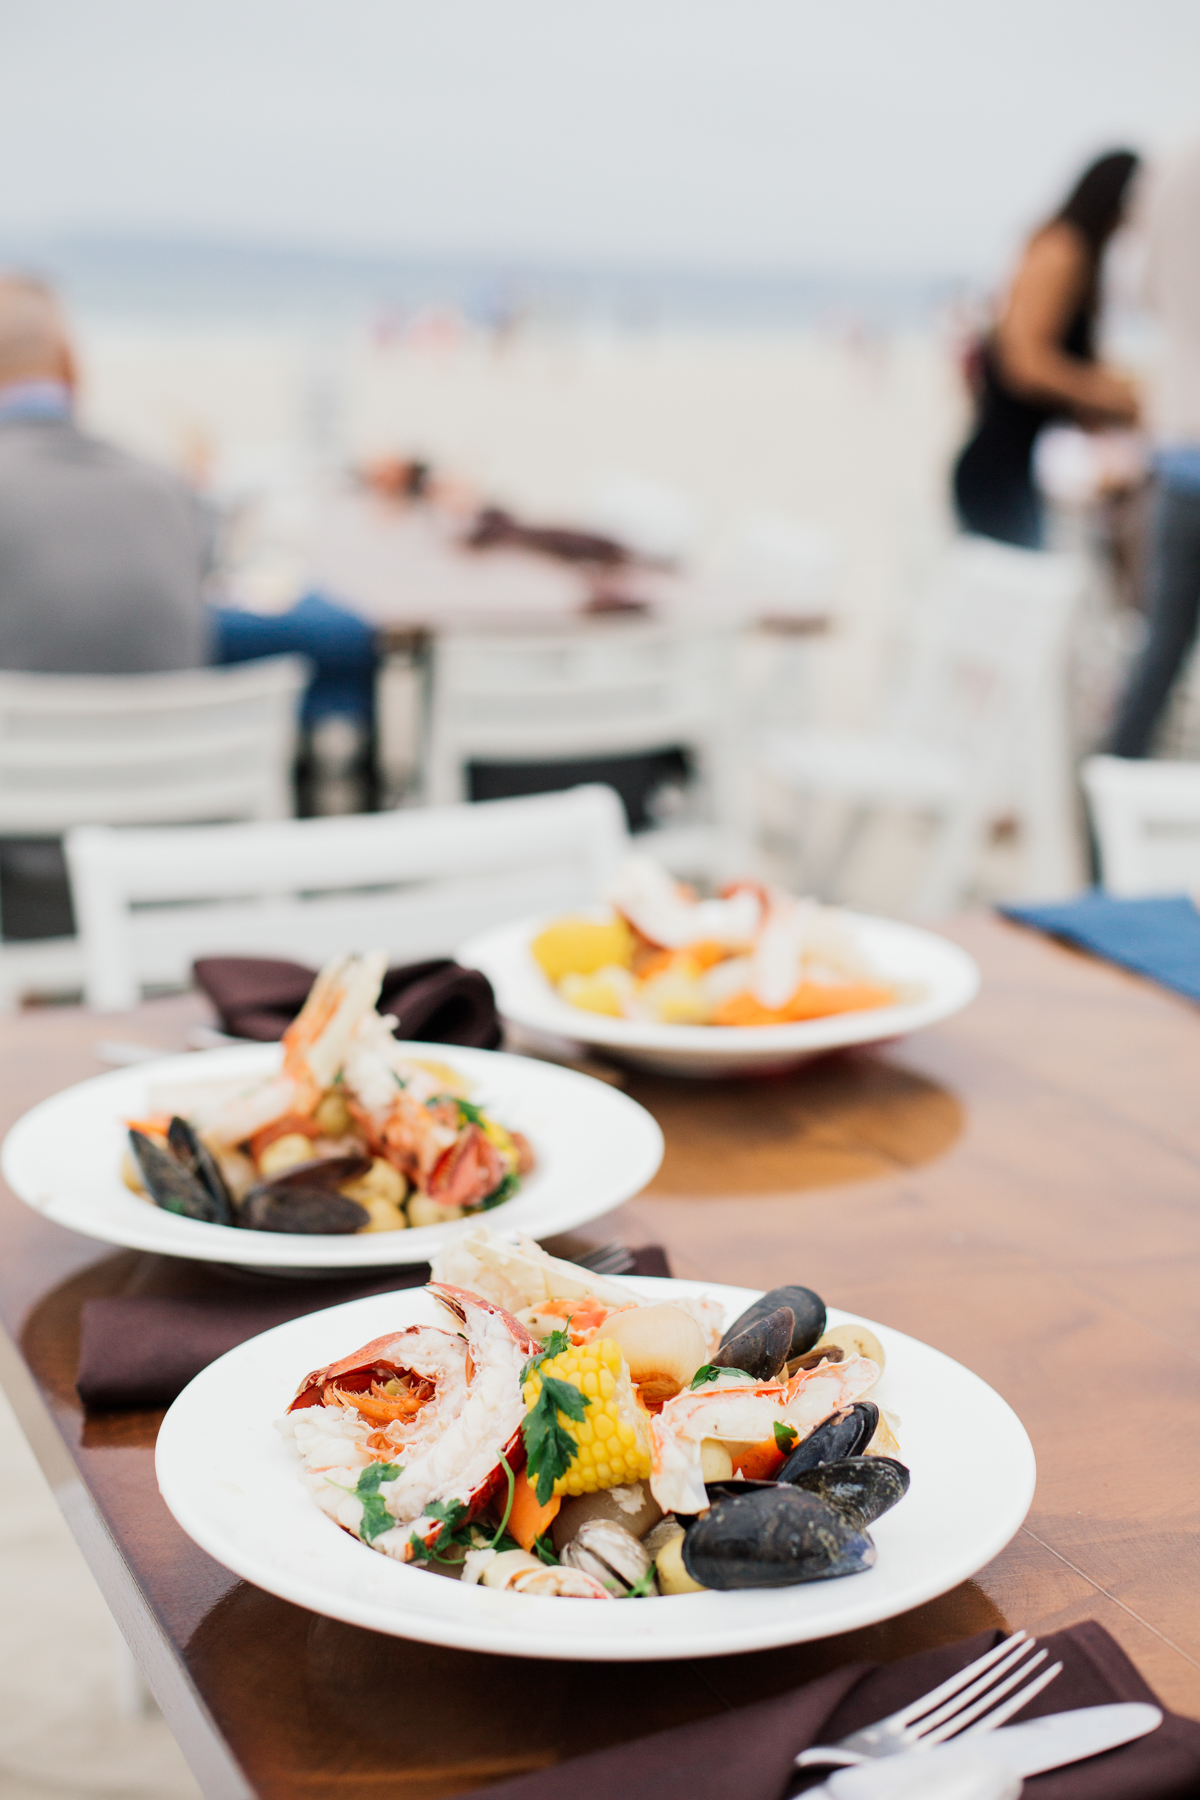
(234, 1486)
(947, 977)
(594, 1148)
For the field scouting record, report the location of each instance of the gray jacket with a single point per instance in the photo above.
(102, 557)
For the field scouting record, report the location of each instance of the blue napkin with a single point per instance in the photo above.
(1158, 936)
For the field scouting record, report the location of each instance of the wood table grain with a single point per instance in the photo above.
(1019, 1187)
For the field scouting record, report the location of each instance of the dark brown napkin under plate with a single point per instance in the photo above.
(437, 1001)
(143, 1349)
(748, 1753)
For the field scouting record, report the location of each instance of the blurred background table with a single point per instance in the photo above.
(1016, 1187)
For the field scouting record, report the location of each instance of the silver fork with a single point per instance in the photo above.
(969, 1704)
(609, 1259)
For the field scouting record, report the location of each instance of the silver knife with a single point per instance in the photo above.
(1021, 1750)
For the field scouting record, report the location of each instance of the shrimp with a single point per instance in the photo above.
(315, 1044)
(443, 1408)
(408, 1118)
(744, 1412)
(530, 1283)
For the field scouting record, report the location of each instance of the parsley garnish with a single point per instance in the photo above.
(642, 1590)
(545, 1549)
(376, 1519)
(450, 1515)
(552, 1345)
(785, 1436)
(504, 1190)
(704, 1373)
(469, 1111)
(549, 1450)
(501, 1530)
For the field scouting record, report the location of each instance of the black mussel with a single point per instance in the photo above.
(861, 1488)
(199, 1160)
(317, 1211)
(325, 1172)
(773, 1537)
(808, 1308)
(845, 1434)
(762, 1348)
(172, 1186)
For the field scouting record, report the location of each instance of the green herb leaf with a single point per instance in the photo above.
(450, 1515)
(704, 1373)
(642, 1590)
(501, 1529)
(544, 1547)
(376, 1519)
(471, 1114)
(786, 1436)
(554, 1345)
(504, 1190)
(549, 1449)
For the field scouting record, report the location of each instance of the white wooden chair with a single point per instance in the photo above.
(978, 727)
(610, 687)
(1146, 817)
(138, 749)
(148, 902)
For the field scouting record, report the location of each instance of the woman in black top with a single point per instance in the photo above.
(1039, 363)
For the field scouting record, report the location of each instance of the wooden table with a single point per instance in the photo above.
(1018, 1187)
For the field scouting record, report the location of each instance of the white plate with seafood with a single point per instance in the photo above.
(936, 977)
(236, 1485)
(592, 1148)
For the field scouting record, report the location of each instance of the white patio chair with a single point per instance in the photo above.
(649, 516)
(138, 749)
(977, 728)
(415, 883)
(1146, 817)
(609, 688)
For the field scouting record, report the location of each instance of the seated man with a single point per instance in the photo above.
(102, 556)
(103, 559)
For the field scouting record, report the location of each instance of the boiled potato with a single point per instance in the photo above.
(673, 1578)
(333, 1115)
(424, 1211)
(285, 1153)
(383, 1214)
(716, 1464)
(382, 1181)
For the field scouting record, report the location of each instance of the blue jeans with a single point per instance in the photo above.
(339, 644)
(1173, 609)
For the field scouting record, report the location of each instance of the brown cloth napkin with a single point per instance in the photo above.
(143, 1349)
(748, 1753)
(437, 1001)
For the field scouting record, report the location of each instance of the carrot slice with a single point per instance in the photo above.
(528, 1520)
(811, 1000)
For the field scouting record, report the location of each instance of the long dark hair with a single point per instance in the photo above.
(1095, 207)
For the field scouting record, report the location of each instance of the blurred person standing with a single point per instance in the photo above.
(1039, 363)
(102, 556)
(1173, 586)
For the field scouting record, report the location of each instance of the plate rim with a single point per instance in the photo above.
(631, 1647)
(295, 1252)
(725, 1041)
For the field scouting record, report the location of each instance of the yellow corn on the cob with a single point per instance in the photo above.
(613, 1440)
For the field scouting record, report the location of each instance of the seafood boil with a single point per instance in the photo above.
(752, 956)
(561, 1435)
(351, 1135)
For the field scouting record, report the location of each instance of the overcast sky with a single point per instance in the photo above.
(898, 136)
